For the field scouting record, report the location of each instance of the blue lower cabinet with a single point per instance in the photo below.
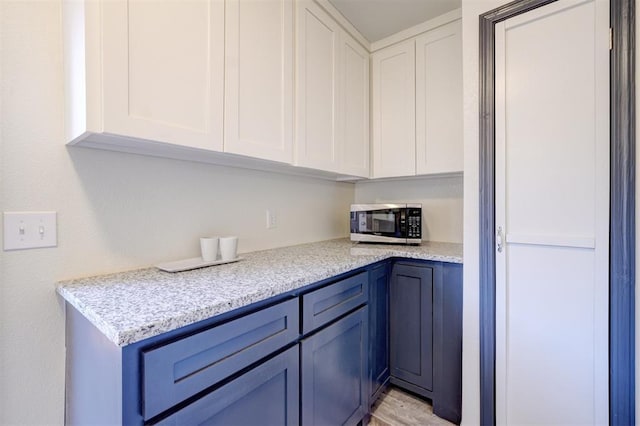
(426, 333)
(447, 360)
(334, 372)
(178, 370)
(319, 358)
(411, 324)
(267, 395)
(378, 329)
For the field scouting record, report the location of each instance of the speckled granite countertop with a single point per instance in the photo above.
(131, 306)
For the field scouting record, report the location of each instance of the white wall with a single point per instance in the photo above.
(115, 211)
(441, 199)
(471, 9)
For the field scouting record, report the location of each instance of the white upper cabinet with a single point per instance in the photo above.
(417, 104)
(317, 87)
(162, 70)
(393, 110)
(439, 145)
(332, 96)
(353, 111)
(280, 80)
(259, 79)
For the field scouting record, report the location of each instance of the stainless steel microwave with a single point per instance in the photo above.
(386, 223)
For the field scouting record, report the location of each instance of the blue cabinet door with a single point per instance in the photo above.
(378, 329)
(411, 325)
(267, 395)
(334, 372)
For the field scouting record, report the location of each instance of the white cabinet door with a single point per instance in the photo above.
(259, 79)
(163, 70)
(393, 111)
(332, 131)
(439, 100)
(317, 86)
(353, 113)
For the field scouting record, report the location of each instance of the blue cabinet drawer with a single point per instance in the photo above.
(178, 370)
(328, 303)
(266, 395)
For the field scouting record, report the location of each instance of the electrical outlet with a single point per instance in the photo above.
(272, 219)
(26, 230)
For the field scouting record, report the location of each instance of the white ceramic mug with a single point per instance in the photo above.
(228, 248)
(209, 248)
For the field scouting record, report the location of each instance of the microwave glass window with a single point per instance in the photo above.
(384, 222)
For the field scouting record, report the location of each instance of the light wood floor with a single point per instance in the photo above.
(398, 408)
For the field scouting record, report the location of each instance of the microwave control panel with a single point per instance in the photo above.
(414, 223)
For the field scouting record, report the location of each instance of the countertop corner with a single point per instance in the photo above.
(131, 306)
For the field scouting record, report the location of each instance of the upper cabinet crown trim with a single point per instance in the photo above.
(416, 30)
(344, 23)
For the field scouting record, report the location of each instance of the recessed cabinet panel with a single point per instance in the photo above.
(393, 111)
(439, 100)
(354, 114)
(154, 74)
(317, 95)
(259, 79)
(411, 324)
(163, 71)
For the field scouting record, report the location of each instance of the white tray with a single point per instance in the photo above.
(193, 263)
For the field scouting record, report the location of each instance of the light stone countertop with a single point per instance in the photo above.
(131, 306)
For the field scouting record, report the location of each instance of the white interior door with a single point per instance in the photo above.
(552, 214)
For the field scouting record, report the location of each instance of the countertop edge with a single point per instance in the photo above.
(125, 337)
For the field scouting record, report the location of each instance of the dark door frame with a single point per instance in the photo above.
(622, 210)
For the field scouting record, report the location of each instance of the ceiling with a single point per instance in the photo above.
(377, 19)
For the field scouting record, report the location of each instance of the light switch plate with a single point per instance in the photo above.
(272, 219)
(26, 230)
